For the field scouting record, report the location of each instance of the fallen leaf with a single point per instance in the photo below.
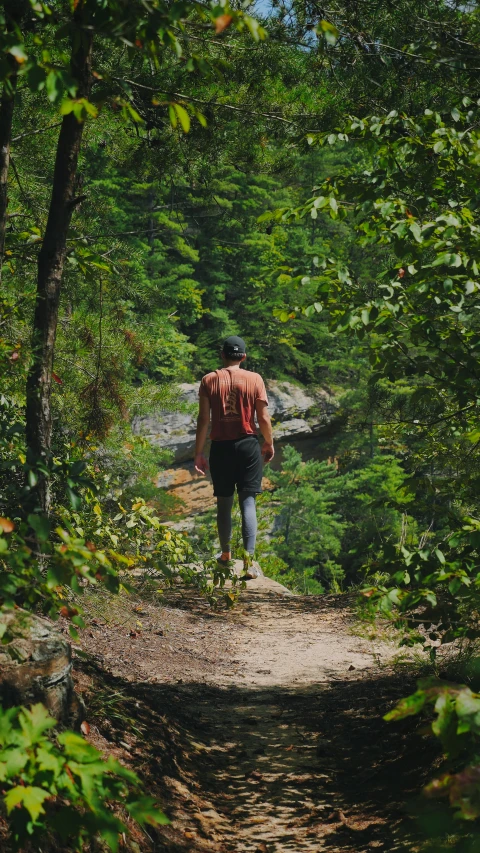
(57, 379)
(68, 612)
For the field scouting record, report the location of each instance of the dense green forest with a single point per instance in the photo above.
(172, 173)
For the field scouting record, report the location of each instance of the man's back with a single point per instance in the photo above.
(233, 394)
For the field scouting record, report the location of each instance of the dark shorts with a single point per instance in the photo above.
(236, 463)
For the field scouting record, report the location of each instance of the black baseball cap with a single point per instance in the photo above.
(234, 347)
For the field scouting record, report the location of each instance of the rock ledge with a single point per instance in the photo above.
(296, 413)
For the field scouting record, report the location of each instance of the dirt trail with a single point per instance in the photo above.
(274, 715)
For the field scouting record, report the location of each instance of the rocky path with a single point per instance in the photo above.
(274, 722)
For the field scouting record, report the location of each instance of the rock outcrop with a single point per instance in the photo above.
(296, 414)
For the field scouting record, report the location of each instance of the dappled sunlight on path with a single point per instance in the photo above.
(280, 746)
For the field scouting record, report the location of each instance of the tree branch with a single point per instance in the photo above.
(210, 103)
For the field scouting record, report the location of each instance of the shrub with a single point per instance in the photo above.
(64, 786)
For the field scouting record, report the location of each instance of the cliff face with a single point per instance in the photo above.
(296, 414)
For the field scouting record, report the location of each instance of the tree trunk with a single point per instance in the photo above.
(36, 666)
(14, 11)
(7, 105)
(51, 262)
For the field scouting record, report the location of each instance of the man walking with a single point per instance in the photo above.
(231, 397)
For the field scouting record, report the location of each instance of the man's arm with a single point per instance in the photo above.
(203, 422)
(265, 425)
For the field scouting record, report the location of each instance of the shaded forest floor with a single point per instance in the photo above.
(259, 729)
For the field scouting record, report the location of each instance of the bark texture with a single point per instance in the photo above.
(14, 11)
(36, 665)
(51, 263)
(7, 105)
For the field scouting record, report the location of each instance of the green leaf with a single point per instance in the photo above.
(88, 774)
(444, 726)
(266, 217)
(77, 748)
(467, 706)
(18, 52)
(36, 77)
(256, 31)
(144, 811)
(173, 116)
(416, 231)
(329, 32)
(49, 761)
(74, 499)
(449, 259)
(30, 797)
(408, 707)
(53, 85)
(183, 117)
(6, 719)
(35, 721)
(16, 760)
(41, 525)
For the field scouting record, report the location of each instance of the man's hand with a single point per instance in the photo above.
(265, 425)
(201, 463)
(267, 452)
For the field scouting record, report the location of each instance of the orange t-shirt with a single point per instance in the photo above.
(232, 395)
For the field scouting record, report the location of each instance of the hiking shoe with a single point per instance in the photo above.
(251, 570)
(225, 564)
